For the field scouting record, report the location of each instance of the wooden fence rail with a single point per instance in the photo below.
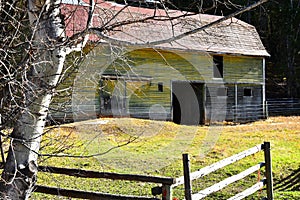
(107, 175)
(218, 165)
(227, 161)
(165, 181)
(169, 183)
(87, 195)
(218, 186)
(249, 191)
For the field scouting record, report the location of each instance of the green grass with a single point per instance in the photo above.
(156, 147)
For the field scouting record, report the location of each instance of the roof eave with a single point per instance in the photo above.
(260, 53)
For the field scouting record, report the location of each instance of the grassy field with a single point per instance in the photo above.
(152, 147)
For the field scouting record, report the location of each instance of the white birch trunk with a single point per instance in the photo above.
(48, 57)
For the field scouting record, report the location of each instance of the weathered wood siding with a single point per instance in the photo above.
(80, 100)
(144, 98)
(235, 106)
(130, 94)
(243, 69)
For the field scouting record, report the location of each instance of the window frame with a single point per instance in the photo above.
(247, 89)
(218, 66)
(160, 87)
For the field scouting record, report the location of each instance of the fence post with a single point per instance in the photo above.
(187, 178)
(166, 192)
(266, 110)
(268, 167)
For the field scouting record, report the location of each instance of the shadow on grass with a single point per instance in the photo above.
(289, 183)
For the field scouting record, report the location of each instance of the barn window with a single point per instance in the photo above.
(160, 87)
(218, 66)
(222, 92)
(247, 92)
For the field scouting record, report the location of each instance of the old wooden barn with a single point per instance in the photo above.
(217, 74)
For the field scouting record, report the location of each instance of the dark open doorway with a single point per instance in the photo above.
(188, 102)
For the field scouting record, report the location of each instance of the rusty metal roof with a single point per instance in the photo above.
(232, 36)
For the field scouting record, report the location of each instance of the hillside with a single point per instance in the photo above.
(152, 147)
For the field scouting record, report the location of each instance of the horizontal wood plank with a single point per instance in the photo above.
(85, 194)
(248, 191)
(107, 175)
(220, 164)
(218, 186)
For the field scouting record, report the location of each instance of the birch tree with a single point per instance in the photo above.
(34, 47)
(44, 60)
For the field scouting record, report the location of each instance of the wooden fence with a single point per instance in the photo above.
(188, 177)
(165, 181)
(169, 183)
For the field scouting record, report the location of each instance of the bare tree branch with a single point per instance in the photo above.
(100, 33)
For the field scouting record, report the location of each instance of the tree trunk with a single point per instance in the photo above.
(47, 59)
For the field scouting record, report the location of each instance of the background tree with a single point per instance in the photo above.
(33, 49)
(282, 38)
